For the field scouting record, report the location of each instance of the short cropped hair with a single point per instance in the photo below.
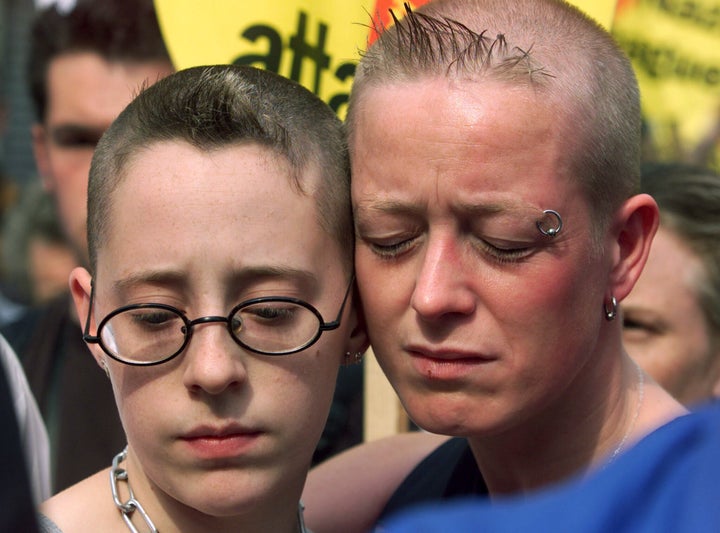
(689, 200)
(116, 30)
(547, 45)
(213, 107)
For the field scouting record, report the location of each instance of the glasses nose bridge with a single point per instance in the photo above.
(207, 320)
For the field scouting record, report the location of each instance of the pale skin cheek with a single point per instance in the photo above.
(139, 422)
(139, 411)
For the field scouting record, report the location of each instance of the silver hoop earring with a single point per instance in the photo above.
(353, 359)
(550, 232)
(611, 313)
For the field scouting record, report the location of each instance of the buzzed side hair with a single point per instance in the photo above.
(213, 107)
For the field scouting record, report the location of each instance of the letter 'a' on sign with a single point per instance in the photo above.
(314, 42)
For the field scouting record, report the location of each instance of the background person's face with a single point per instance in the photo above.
(664, 327)
(85, 93)
(203, 232)
(478, 319)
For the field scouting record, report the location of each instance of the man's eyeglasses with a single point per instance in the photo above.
(151, 333)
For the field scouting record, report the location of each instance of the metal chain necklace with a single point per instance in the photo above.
(127, 508)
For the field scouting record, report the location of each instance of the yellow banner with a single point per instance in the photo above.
(601, 10)
(675, 49)
(314, 42)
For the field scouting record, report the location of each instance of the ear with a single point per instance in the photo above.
(359, 341)
(42, 155)
(80, 288)
(634, 227)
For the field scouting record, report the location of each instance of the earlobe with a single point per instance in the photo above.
(636, 222)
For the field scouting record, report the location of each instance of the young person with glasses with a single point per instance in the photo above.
(219, 301)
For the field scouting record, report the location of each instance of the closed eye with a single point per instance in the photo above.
(391, 249)
(272, 313)
(158, 317)
(504, 254)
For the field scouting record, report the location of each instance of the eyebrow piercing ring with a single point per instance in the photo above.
(550, 232)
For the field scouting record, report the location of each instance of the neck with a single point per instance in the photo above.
(584, 428)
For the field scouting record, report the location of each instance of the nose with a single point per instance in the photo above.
(211, 360)
(441, 287)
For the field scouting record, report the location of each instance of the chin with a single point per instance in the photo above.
(229, 493)
(444, 426)
(226, 504)
(431, 418)
(452, 416)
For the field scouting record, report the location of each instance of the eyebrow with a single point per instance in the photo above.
(245, 275)
(389, 207)
(395, 207)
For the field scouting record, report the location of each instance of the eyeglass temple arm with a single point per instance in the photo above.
(325, 326)
(86, 332)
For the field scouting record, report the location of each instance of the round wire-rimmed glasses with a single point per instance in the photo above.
(146, 334)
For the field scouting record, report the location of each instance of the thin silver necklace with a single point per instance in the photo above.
(641, 397)
(127, 508)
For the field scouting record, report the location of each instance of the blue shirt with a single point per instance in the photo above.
(668, 482)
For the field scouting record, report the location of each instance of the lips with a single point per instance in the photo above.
(446, 363)
(447, 353)
(219, 432)
(229, 441)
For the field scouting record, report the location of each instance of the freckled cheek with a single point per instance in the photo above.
(308, 376)
(142, 398)
(384, 289)
(318, 382)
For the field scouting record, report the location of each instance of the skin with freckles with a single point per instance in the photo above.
(219, 437)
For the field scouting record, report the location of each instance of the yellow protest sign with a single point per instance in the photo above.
(675, 49)
(601, 10)
(315, 42)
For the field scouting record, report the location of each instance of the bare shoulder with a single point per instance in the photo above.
(85, 504)
(348, 492)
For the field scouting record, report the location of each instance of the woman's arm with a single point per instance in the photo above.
(349, 491)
